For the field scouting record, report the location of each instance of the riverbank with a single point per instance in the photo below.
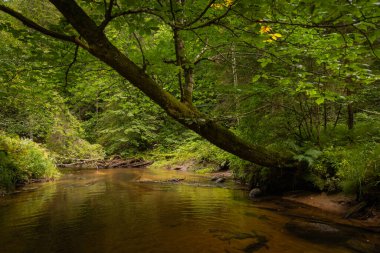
(338, 207)
(344, 207)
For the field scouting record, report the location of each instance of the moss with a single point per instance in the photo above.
(205, 170)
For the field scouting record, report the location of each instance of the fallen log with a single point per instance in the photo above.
(104, 164)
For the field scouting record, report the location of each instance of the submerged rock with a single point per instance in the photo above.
(220, 180)
(252, 240)
(175, 180)
(314, 231)
(254, 193)
(363, 246)
(214, 178)
(260, 242)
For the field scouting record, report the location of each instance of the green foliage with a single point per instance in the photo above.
(310, 156)
(195, 153)
(22, 160)
(64, 139)
(354, 169)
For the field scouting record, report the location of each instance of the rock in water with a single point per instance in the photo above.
(254, 193)
(214, 178)
(220, 180)
(315, 231)
(363, 246)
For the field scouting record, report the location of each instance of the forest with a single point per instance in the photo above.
(284, 94)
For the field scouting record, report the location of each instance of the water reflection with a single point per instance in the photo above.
(120, 210)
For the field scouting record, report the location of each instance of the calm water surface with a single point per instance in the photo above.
(114, 211)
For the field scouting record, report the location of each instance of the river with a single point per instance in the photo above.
(127, 210)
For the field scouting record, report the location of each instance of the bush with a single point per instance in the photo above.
(22, 160)
(355, 169)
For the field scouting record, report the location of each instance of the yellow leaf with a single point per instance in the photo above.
(228, 2)
(275, 36)
(265, 29)
(217, 6)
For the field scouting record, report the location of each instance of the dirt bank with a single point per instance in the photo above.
(339, 205)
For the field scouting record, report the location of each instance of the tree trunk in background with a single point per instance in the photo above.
(235, 78)
(350, 111)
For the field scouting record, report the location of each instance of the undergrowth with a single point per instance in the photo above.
(196, 154)
(22, 160)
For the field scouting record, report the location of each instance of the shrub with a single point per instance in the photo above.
(22, 160)
(353, 169)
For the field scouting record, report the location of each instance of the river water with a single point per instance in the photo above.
(127, 210)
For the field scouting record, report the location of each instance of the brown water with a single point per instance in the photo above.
(113, 211)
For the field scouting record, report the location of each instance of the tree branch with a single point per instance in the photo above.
(321, 26)
(198, 58)
(108, 13)
(142, 52)
(210, 22)
(70, 65)
(31, 24)
(201, 15)
(150, 11)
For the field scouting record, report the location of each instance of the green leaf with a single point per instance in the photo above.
(320, 100)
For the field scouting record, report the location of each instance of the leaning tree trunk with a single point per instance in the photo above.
(98, 45)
